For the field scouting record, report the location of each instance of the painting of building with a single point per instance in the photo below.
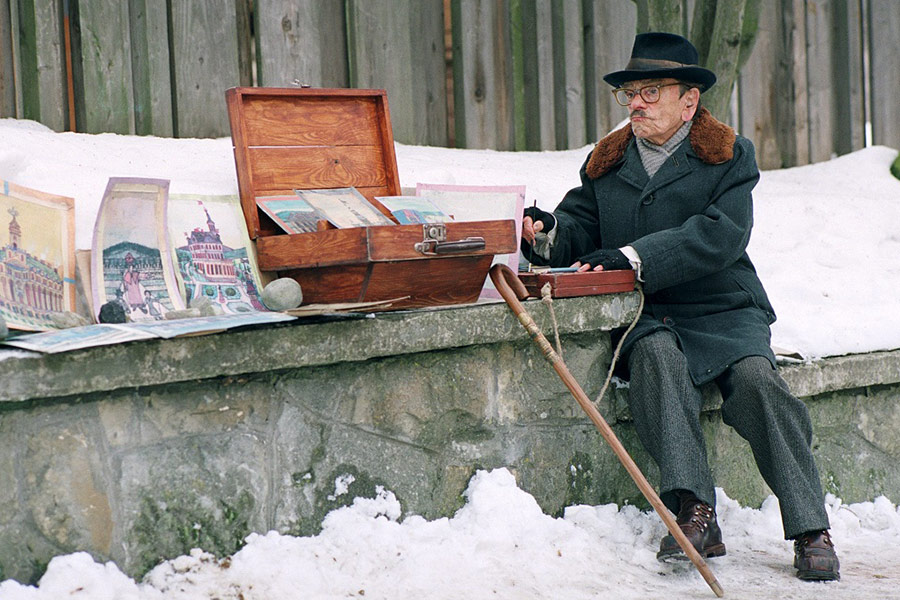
(36, 257)
(215, 260)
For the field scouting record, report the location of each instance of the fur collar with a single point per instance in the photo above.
(712, 141)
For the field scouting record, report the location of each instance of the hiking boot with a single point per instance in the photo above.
(697, 520)
(815, 558)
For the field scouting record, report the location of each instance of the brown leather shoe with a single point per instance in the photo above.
(815, 558)
(697, 520)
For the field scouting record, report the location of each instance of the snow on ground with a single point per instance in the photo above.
(500, 545)
(826, 243)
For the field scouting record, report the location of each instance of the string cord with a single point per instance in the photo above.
(618, 351)
(547, 299)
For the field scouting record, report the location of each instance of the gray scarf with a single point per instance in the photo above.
(653, 156)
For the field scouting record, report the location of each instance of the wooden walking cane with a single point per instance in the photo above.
(506, 282)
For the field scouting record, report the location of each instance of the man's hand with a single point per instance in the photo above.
(535, 221)
(603, 260)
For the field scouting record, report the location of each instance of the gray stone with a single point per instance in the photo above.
(68, 319)
(207, 307)
(112, 312)
(4, 329)
(186, 313)
(282, 294)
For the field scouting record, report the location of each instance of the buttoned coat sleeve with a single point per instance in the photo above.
(577, 222)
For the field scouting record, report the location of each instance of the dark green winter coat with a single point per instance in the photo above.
(690, 224)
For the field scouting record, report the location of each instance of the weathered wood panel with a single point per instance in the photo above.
(849, 98)
(42, 62)
(482, 74)
(613, 25)
(820, 68)
(7, 72)
(244, 25)
(303, 41)
(545, 81)
(884, 32)
(772, 92)
(398, 45)
(571, 81)
(106, 98)
(429, 74)
(150, 67)
(793, 112)
(757, 94)
(204, 42)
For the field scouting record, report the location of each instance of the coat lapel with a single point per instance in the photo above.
(675, 167)
(632, 171)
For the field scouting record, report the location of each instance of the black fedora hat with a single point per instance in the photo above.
(663, 55)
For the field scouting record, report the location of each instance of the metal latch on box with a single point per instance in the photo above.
(434, 241)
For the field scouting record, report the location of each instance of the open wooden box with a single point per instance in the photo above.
(307, 138)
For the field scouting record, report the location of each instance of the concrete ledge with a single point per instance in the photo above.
(301, 343)
(843, 373)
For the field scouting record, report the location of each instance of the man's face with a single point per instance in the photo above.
(657, 121)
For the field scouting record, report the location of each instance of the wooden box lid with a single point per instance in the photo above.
(309, 138)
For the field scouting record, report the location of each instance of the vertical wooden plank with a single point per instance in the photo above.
(43, 71)
(797, 88)
(614, 27)
(398, 45)
(205, 47)
(560, 115)
(773, 91)
(884, 52)
(106, 87)
(573, 69)
(849, 97)
(757, 91)
(244, 18)
(429, 79)
(544, 72)
(380, 51)
(517, 52)
(7, 73)
(151, 74)
(301, 40)
(820, 78)
(482, 82)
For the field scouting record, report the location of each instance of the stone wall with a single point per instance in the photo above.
(141, 451)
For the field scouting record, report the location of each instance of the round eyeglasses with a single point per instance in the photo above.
(649, 93)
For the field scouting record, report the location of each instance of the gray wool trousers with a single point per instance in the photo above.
(757, 403)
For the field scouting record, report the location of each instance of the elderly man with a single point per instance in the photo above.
(669, 196)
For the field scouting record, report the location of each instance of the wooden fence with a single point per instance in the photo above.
(503, 74)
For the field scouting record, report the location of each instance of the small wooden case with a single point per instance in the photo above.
(568, 285)
(307, 138)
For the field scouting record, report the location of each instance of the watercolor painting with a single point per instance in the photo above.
(131, 257)
(344, 207)
(291, 213)
(37, 256)
(212, 249)
(413, 209)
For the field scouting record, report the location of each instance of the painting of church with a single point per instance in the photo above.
(34, 281)
(212, 269)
